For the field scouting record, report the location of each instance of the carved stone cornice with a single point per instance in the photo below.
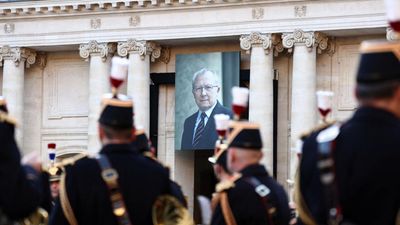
(98, 49)
(310, 39)
(392, 35)
(17, 54)
(142, 48)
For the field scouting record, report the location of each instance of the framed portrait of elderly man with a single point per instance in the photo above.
(203, 84)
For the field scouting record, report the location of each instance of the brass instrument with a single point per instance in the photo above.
(167, 210)
(39, 217)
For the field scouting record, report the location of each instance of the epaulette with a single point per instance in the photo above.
(71, 160)
(227, 184)
(4, 117)
(318, 128)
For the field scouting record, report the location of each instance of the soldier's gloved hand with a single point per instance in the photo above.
(33, 159)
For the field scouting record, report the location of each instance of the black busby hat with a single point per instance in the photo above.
(117, 111)
(245, 135)
(380, 62)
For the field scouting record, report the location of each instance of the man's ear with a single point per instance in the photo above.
(101, 133)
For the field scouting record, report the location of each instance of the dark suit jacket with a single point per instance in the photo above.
(366, 160)
(141, 182)
(209, 136)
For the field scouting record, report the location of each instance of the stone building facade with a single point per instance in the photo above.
(56, 57)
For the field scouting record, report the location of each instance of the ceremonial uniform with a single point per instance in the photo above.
(253, 197)
(21, 187)
(140, 182)
(117, 186)
(365, 155)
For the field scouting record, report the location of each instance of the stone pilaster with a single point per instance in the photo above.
(262, 48)
(100, 61)
(140, 54)
(15, 59)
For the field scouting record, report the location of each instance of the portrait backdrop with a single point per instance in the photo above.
(226, 68)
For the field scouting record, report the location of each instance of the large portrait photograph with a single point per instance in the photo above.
(203, 84)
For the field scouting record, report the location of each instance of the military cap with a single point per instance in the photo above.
(219, 156)
(380, 62)
(55, 176)
(245, 135)
(117, 111)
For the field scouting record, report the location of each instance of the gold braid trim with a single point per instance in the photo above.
(226, 210)
(65, 204)
(302, 208)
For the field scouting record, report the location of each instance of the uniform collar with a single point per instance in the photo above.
(375, 114)
(254, 170)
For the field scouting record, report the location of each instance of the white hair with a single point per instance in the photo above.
(204, 71)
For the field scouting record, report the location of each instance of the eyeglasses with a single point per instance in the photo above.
(207, 88)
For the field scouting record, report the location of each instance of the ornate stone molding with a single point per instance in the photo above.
(324, 43)
(247, 41)
(95, 23)
(392, 35)
(9, 28)
(165, 55)
(134, 21)
(17, 55)
(298, 37)
(258, 13)
(269, 42)
(300, 11)
(94, 48)
(41, 60)
(142, 48)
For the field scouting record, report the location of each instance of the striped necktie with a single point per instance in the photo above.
(199, 130)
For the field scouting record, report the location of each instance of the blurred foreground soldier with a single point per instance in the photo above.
(255, 198)
(144, 146)
(21, 187)
(349, 174)
(133, 182)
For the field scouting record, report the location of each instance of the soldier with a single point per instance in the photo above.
(254, 197)
(21, 187)
(144, 146)
(349, 173)
(118, 186)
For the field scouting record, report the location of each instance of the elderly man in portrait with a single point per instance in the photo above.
(199, 129)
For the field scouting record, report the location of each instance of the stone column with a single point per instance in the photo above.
(261, 47)
(99, 84)
(140, 53)
(304, 116)
(15, 60)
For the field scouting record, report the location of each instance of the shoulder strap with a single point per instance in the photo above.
(110, 177)
(65, 204)
(226, 209)
(264, 192)
(326, 140)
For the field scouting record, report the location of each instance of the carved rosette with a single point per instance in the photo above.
(17, 55)
(277, 44)
(298, 37)
(142, 48)
(94, 48)
(392, 35)
(248, 41)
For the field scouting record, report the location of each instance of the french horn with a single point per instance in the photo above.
(167, 210)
